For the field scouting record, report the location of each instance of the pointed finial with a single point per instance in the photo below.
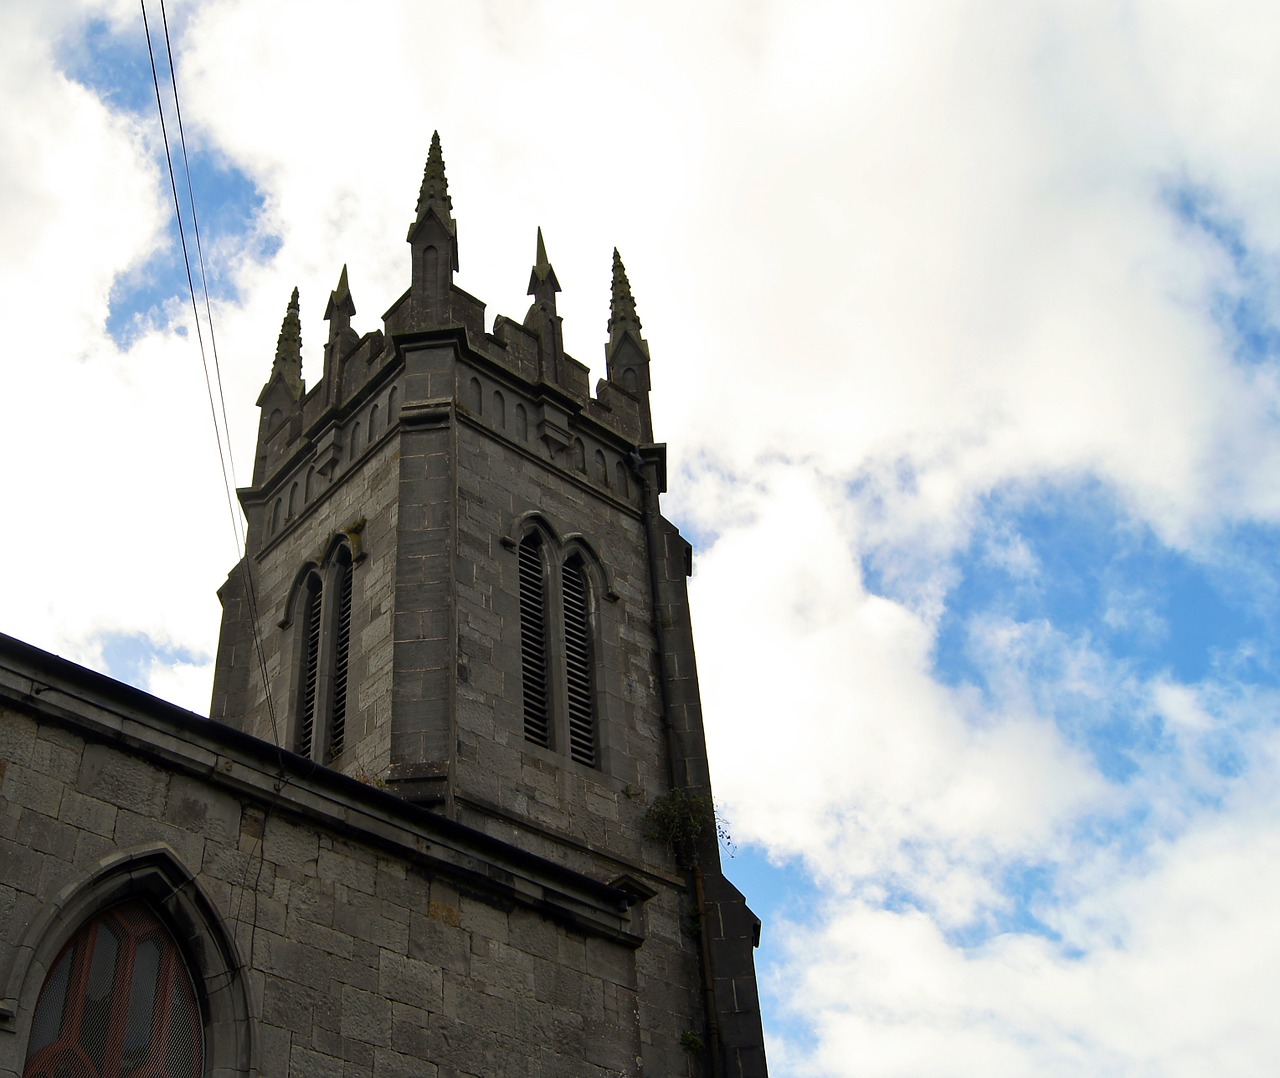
(435, 188)
(340, 301)
(622, 307)
(288, 360)
(543, 276)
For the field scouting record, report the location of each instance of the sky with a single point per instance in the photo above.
(965, 324)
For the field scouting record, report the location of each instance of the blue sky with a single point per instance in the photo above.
(964, 334)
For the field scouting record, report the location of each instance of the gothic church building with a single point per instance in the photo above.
(452, 815)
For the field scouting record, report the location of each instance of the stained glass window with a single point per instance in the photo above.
(117, 1003)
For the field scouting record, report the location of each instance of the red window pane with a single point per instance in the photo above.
(118, 1003)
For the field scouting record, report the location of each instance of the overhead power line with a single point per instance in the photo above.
(221, 430)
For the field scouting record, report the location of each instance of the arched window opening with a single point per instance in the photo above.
(499, 411)
(393, 405)
(355, 440)
(275, 516)
(341, 657)
(118, 1000)
(533, 642)
(579, 455)
(600, 467)
(559, 589)
(476, 396)
(578, 661)
(321, 605)
(522, 423)
(309, 680)
(620, 480)
(274, 420)
(308, 491)
(629, 380)
(293, 501)
(373, 424)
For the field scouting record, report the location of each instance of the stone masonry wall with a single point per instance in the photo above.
(363, 488)
(359, 960)
(500, 479)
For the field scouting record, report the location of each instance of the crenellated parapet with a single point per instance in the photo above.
(531, 391)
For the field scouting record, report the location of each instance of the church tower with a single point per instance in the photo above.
(458, 586)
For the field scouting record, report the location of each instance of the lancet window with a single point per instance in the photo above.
(118, 999)
(558, 648)
(322, 627)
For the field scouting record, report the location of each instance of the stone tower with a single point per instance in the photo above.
(458, 585)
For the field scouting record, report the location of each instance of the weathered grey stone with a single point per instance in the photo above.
(125, 781)
(355, 932)
(366, 1016)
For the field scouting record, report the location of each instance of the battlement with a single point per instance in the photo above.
(515, 377)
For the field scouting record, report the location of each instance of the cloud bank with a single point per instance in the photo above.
(963, 324)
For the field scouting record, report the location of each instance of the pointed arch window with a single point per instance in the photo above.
(322, 624)
(558, 649)
(118, 999)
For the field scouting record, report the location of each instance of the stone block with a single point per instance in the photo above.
(362, 917)
(87, 813)
(193, 806)
(312, 1064)
(57, 754)
(288, 1004)
(409, 1025)
(366, 1017)
(435, 941)
(611, 962)
(122, 780)
(24, 787)
(46, 835)
(273, 1048)
(294, 849)
(137, 829)
(18, 735)
(410, 980)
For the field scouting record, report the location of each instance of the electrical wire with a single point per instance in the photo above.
(195, 225)
(225, 456)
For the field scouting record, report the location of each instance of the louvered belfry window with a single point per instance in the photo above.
(558, 649)
(578, 662)
(533, 642)
(341, 659)
(118, 1001)
(323, 608)
(308, 697)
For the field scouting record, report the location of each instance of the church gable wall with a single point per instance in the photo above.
(360, 956)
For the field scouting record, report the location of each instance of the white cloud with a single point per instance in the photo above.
(1179, 706)
(183, 683)
(1166, 967)
(891, 259)
(903, 778)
